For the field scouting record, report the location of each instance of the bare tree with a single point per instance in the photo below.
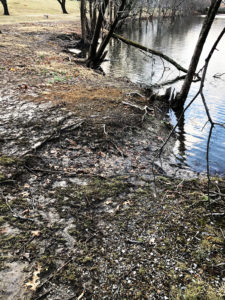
(179, 100)
(5, 7)
(104, 19)
(63, 6)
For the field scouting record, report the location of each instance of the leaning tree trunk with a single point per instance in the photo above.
(63, 6)
(178, 102)
(5, 6)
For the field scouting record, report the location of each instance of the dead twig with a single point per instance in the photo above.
(81, 295)
(146, 108)
(134, 242)
(43, 295)
(56, 272)
(215, 214)
(118, 149)
(222, 233)
(7, 181)
(133, 94)
(218, 75)
(138, 107)
(104, 130)
(24, 245)
(219, 265)
(54, 136)
(29, 241)
(15, 215)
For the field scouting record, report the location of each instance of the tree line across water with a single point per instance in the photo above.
(149, 8)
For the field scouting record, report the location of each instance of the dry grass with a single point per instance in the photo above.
(36, 10)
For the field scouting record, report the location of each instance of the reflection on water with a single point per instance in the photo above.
(178, 40)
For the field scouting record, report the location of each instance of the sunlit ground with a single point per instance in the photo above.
(39, 10)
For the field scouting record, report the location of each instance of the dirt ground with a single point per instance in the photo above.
(86, 211)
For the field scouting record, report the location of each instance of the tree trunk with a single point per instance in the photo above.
(83, 20)
(178, 102)
(93, 21)
(140, 14)
(63, 6)
(110, 11)
(159, 10)
(94, 43)
(100, 55)
(90, 11)
(5, 6)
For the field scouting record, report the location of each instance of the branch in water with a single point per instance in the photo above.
(154, 52)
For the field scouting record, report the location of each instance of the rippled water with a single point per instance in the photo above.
(178, 41)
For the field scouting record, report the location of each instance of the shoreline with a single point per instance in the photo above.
(82, 214)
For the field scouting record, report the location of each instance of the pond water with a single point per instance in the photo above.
(178, 41)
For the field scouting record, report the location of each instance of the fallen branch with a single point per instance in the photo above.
(146, 109)
(134, 94)
(137, 106)
(54, 136)
(117, 148)
(43, 295)
(154, 52)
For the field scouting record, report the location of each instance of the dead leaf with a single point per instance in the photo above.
(36, 233)
(33, 284)
(3, 230)
(25, 194)
(159, 138)
(152, 240)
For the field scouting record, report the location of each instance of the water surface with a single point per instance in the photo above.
(178, 41)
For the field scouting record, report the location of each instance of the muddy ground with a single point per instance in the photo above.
(86, 212)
